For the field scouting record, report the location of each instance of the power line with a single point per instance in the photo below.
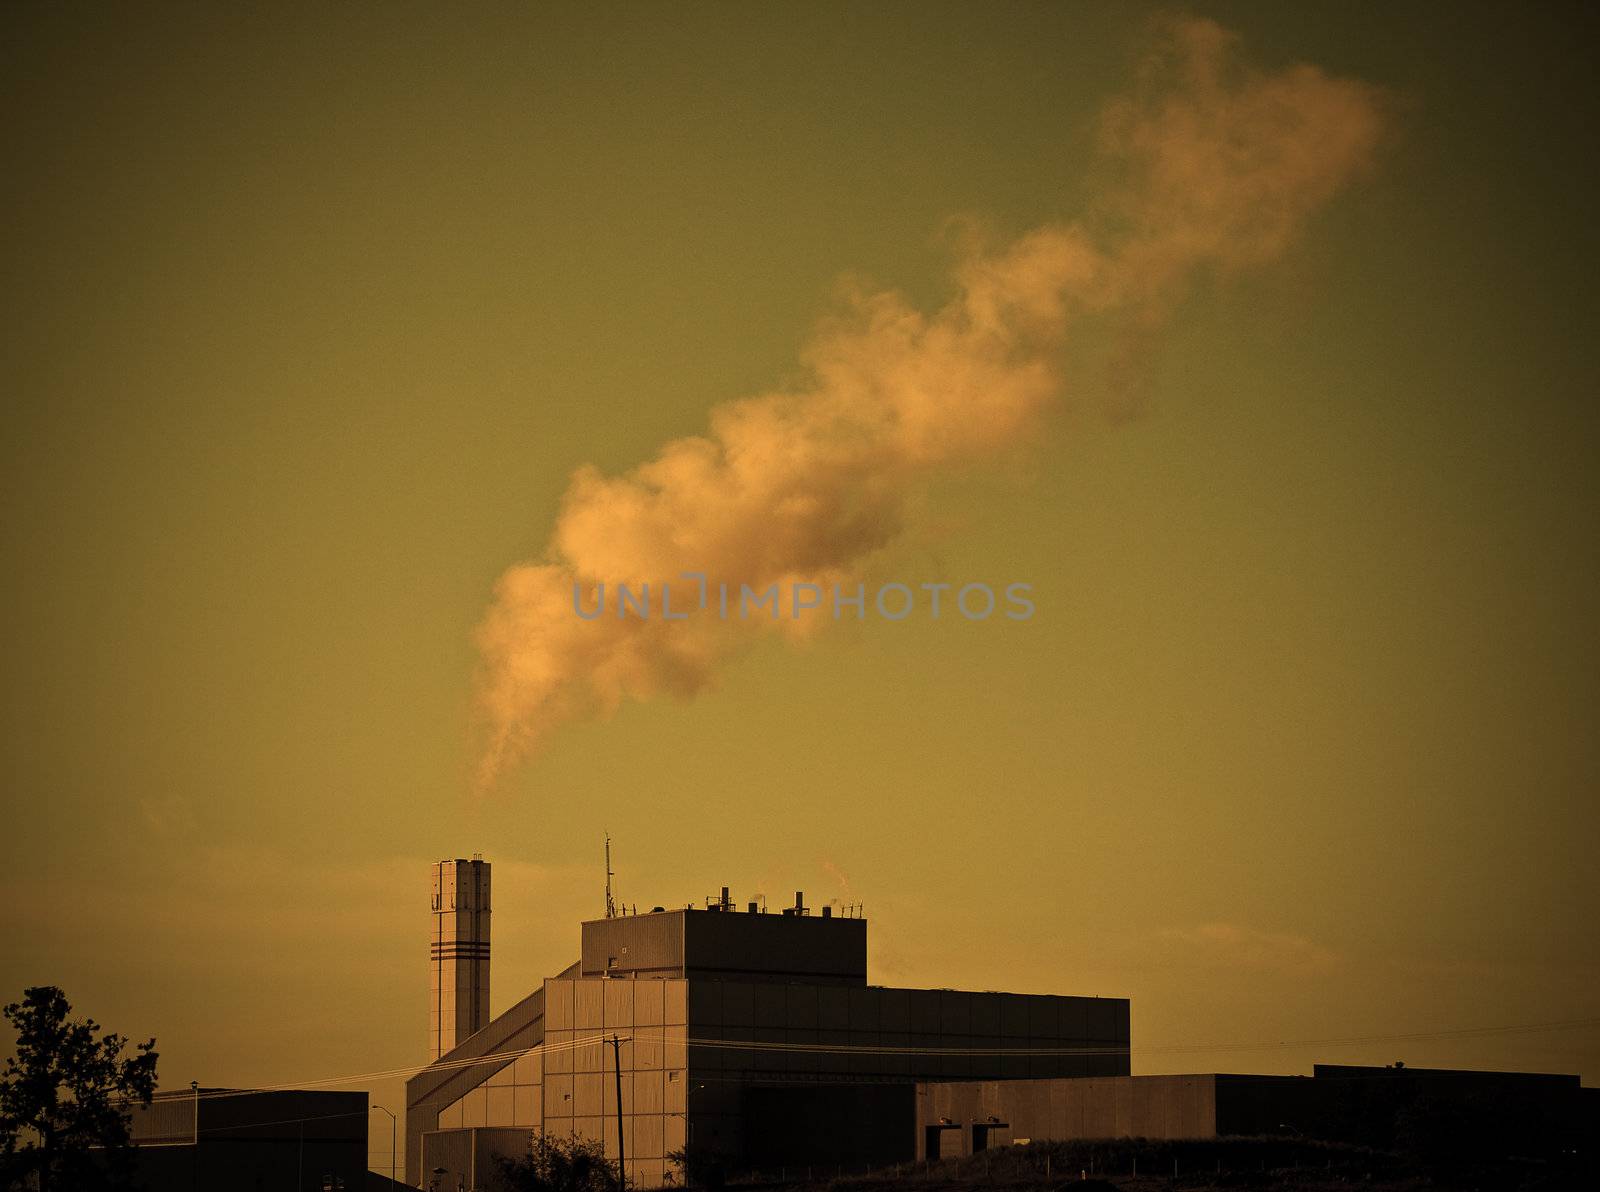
(880, 1049)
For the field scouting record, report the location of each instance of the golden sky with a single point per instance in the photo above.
(311, 320)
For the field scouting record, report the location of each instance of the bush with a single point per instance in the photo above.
(700, 1168)
(559, 1165)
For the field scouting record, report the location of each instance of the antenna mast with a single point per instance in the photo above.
(611, 903)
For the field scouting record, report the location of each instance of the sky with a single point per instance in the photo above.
(328, 333)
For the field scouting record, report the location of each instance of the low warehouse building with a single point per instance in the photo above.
(250, 1140)
(1394, 1107)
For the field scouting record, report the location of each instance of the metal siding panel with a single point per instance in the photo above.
(590, 1055)
(501, 1108)
(833, 1007)
(897, 1062)
(649, 1093)
(984, 1013)
(608, 1095)
(648, 1135)
(864, 1007)
(587, 1099)
(676, 1002)
(1043, 1017)
(558, 1003)
(771, 1005)
(803, 1056)
(558, 1051)
(525, 1106)
(588, 1005)
(865, 1059)
(705, 1005)
(955, 1012)
(675, 1047)
(802, 1006)
(894, 1009)
(1013, 1016)
(619, 1004)
(649, 1003)
(738, 1004)
(558, 1096)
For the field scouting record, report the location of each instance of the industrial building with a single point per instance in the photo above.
(1530, 1113)
(754, 1039)
(247, 1140)
(721, 1029)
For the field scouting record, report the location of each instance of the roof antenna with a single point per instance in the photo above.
(611, 903)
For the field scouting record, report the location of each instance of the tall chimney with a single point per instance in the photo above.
(458, 993)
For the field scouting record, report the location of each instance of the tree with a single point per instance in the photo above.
(701, 1168)
(64, 1097)
(559, 1165)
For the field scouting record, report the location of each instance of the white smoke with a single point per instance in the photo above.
(1219, 166)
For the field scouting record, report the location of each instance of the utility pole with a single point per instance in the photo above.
(622, 1161)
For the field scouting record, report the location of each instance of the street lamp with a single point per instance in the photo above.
(393, 1126)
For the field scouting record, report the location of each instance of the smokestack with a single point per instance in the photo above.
(458, 994)
(799, 902)
(727, 903)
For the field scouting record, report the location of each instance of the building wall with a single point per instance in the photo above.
(246, 1140)
(799, 1035)
(736, 945)
(1059, 1109)
(644, 945)
(692, 1050)
(437, 1087)
(1514, 1113)
(828, 1126)
(458, 988)
(469, 1157)
(728, 945)
(579, 1074)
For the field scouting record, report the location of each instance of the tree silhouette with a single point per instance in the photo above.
(555, 1164)
(64, 1097)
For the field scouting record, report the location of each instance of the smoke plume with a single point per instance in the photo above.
(1218, 166)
